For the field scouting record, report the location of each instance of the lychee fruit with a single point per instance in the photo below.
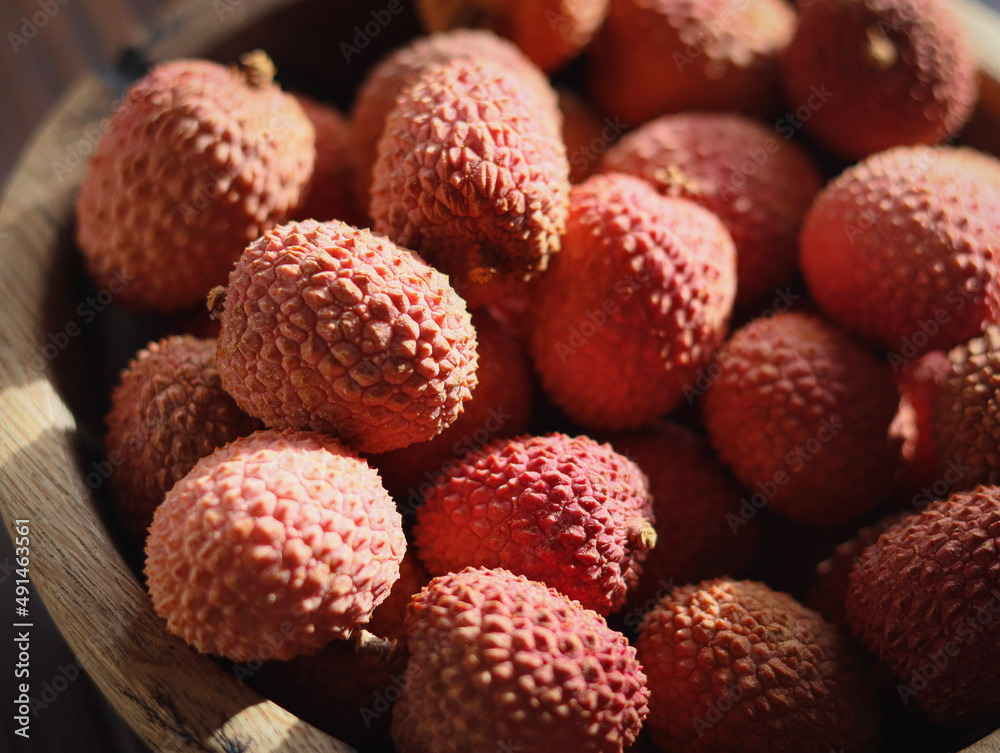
(197, 161)
(919, 382)
(168, 411)
(564, 511)
(737, 666)
(902, 248)
(330, 328)
(343, 690)
(472, 174)
(925, 599)
(282, 534)
(828, 592)
(695, 501)
(586, 135)
(550, 33)
(329, 195)
(376, 97)
(802, 413)
(757, 182)
(965, 419)
(499, 660)
(633, 306)
(873, 74)
(500, 407)
(657, 56)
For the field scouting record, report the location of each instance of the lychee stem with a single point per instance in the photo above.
(675, 181)
(882, 51)
(642, 536)
(216, 301)
(383, 649)
(257, 68)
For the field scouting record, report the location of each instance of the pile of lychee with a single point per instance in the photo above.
(482, 450)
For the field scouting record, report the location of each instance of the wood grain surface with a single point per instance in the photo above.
(45, 46)
(36, 68)
(174, 698)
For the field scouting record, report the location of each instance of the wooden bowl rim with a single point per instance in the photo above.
(173, 697)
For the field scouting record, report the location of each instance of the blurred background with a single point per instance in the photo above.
(39, 61)
(45, 46)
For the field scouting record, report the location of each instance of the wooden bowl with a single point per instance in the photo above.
(57, 352)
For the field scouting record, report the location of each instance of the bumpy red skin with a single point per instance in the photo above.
(657, 56)
(925, 599)
(556, 509)
(758, 183)
(801, 413)
(376, 96)
(278, 529)
(919, 382)
(828, 592)
(861, 98)
(500, 407)
(693, 497)
(737, 666)
(330, 328)
(901, 248)
(168, 411)
(964, 426)
(550, 32)
(344, 691)
(194, 165)
(472, 174)
(633, 306)
(329, 195)
(548, 674)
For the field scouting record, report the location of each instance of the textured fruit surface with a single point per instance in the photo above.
(329, 195)
(279, 528)
(801, 413)
(737, 666)
(499, 660)
(197, 161)
(874, 74)
(333, 329)
(758, 183)
(500, 407)
(694, 496)
(635, 303)
(168, 411)
(550, 32)
(965, 422)
(377, 95)
(564, 511)
(341, 690)
(902, 248)
(472, 174)
(925, 599)
(828, 592)
(657, 56)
